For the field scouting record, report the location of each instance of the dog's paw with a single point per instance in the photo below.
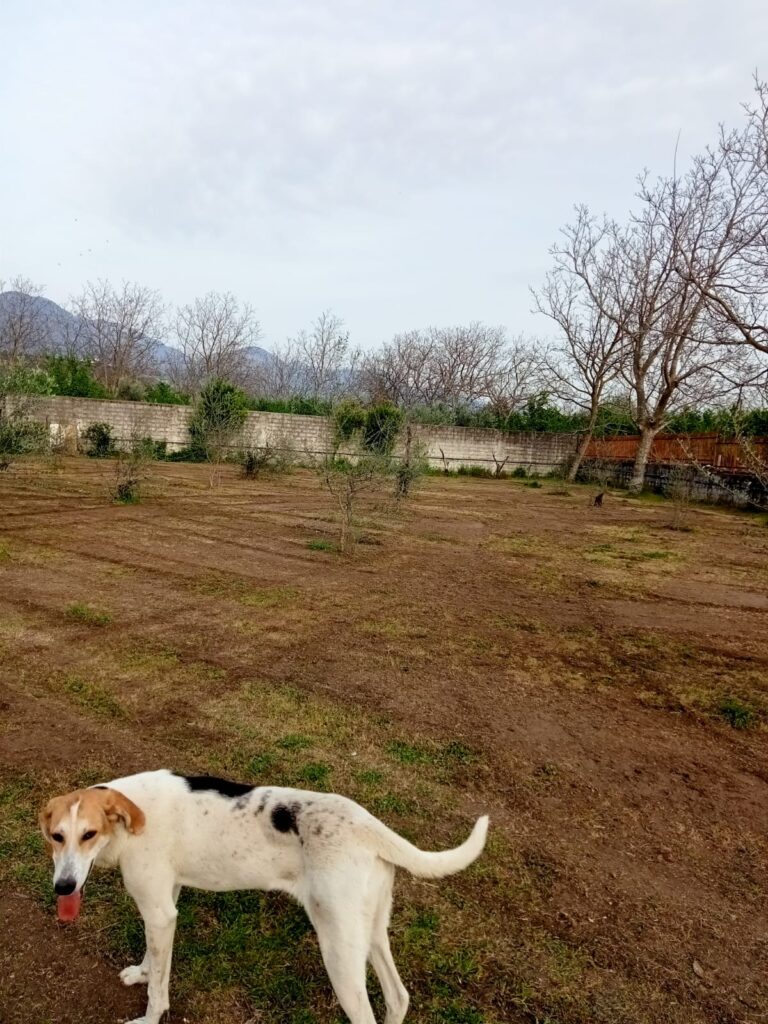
(135, 975)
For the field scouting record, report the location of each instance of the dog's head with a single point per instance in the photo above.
(77, 827)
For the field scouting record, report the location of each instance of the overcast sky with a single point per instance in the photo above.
(402, 163)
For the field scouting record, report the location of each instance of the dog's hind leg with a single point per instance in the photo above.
(138, 974)
(343, 931)
(395, 993)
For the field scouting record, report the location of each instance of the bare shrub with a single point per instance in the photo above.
(274, 457)
(348, 482)
(131, 472)
(413, 465)
(678, 488)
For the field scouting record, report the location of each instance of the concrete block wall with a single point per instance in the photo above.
(464, 446)
(68, 418)
(726, 487)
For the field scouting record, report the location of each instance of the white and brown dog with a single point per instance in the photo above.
(165, 831)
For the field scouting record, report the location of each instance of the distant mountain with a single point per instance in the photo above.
(60, 325)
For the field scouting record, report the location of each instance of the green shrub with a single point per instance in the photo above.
(348, 419)
(19, 436)
(738, 714)
(149, 449)
(520, 473)
(25, 380)
(220, 412)
(297, 406)
(73, 377)
(478, 471)
(130, 391)
(161, 393)
(99, 443)
(381, 427)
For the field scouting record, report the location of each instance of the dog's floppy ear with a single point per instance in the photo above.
(44, 820)
(119, 808)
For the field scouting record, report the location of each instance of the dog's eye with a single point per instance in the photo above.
(88, 835)
(57, 837)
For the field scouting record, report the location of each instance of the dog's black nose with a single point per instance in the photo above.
(64, 887)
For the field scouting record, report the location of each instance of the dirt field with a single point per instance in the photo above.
(594, 680)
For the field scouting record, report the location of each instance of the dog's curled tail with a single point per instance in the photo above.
(424, 863)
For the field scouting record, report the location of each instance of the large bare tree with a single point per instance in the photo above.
(214, 335)
(650, 279)
(738, 295)
(24, 327)
(120, 329)
(588, 357)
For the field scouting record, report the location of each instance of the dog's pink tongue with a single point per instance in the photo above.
(68, 907)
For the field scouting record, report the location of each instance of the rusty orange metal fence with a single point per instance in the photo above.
(706, 449)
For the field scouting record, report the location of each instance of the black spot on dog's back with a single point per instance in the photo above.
(284, 818)
(263, 801)
(210, 784)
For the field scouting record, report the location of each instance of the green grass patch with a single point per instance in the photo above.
(453, 752)
(393, 803)
(294, 741)
(269, 597)
(259, 764)
(87, 614)
(410, 753)
(92, 697)
(315, 774)
(320, 544)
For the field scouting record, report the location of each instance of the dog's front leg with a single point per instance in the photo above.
(138, 974)
(160, 925)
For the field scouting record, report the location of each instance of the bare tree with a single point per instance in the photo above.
(588, 359)
(639, 277)
(403, 371)
(738, 295)
(120, 330)
(468, 358)
(454, 366)
(282, 373)
(522, 370)
(214, 334)
(24, 327)
(328, 363)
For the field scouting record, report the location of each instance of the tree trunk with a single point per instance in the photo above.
(578, 457)
(637, 481)
(581, 451)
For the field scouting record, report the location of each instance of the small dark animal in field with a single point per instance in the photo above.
(597, 501)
